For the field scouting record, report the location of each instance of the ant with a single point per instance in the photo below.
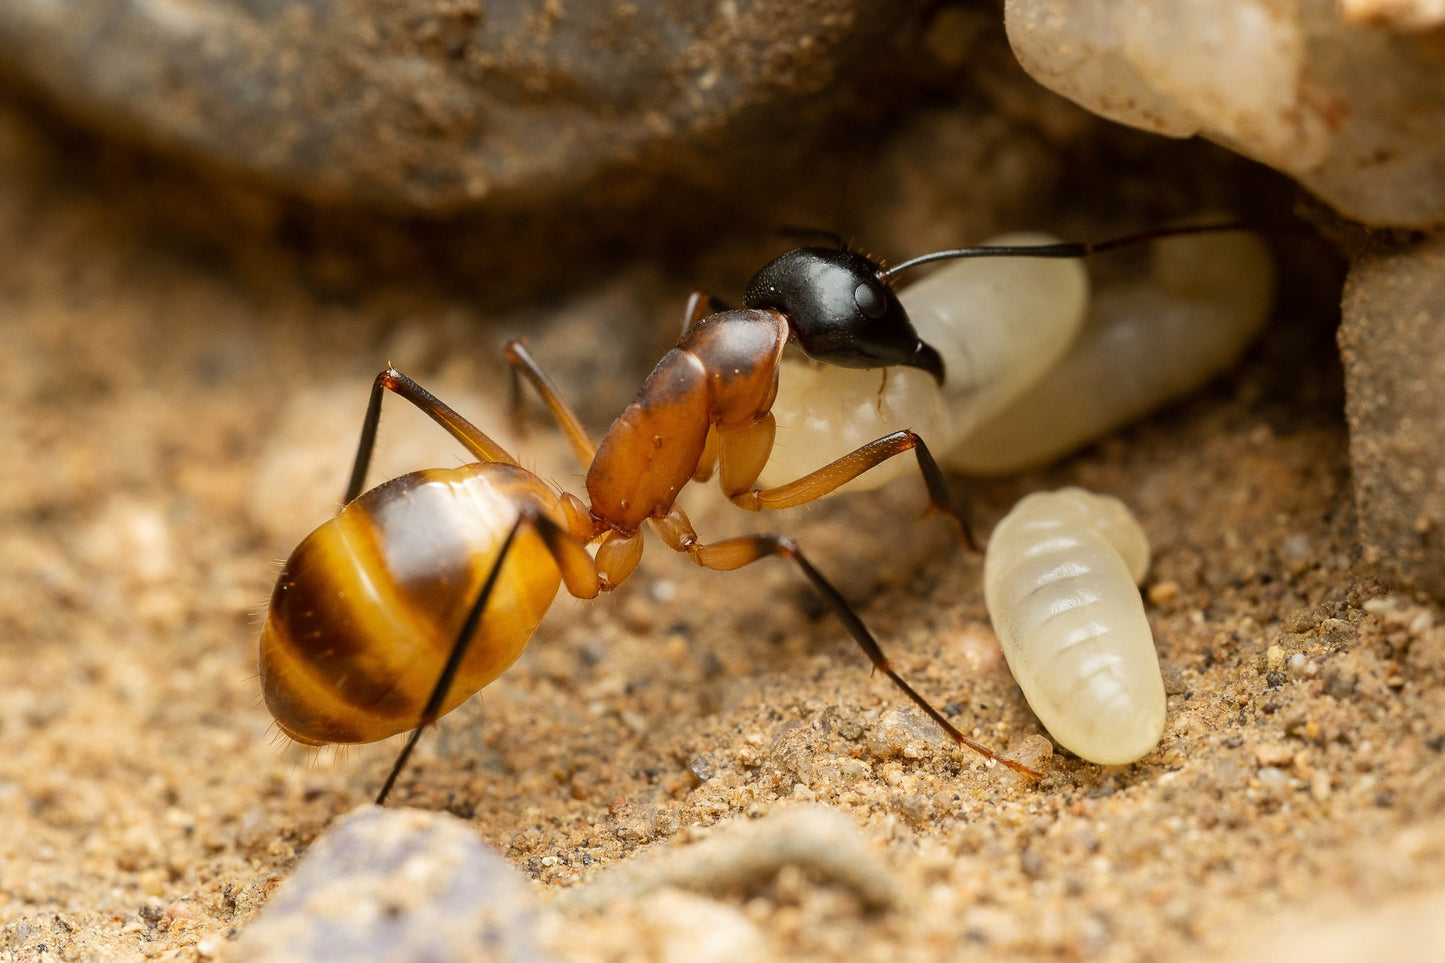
(423, 590)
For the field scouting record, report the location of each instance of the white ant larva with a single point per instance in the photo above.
(1206, 298)
(1034, 367)
(1060, 578)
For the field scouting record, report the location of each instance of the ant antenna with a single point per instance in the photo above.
(1078, 249)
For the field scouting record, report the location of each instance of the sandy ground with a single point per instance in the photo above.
(174, 422)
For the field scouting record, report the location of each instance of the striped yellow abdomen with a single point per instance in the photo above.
(369, 605)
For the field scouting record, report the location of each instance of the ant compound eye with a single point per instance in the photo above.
(870, 300)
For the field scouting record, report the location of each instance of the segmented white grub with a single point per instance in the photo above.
(1144, 344)
(1035, 366)
(1060, 579)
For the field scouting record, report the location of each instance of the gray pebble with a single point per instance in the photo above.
(398, 885)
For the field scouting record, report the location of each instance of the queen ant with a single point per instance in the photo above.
(426, 588)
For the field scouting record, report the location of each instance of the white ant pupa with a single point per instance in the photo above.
(1060, 580)
(1035, 367)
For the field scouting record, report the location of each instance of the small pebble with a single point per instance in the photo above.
(906, 732)
(1163, 593)
(1274, 754)
(1300, 667)
(397, 885)
(743, 854)
(1320, 785)
(684, 926)
(1336, 632)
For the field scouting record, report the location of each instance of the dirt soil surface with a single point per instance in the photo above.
(174, 422)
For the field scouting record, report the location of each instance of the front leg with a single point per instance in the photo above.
(742, 448)
(700, 304)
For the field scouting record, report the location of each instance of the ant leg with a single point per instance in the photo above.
(734, 553)
(578, 573)
(816, 484)
(525, 366)
(472, 438)
(707, 461)
(700, 304)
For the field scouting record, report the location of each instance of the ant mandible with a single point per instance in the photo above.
(423, 590)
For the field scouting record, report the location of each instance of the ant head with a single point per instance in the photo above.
(840, 310)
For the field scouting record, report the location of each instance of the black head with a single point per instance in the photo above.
(840, 311)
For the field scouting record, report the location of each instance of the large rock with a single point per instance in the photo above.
(1392, 340)
(433, 106)
(1348, 99)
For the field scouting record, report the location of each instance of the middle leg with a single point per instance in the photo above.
(525, 366)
